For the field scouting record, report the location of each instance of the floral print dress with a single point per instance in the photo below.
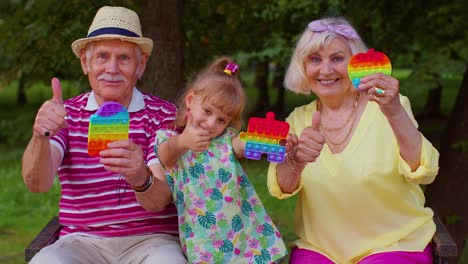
(221, 217)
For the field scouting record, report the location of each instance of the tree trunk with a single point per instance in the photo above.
(261, 82)
(432, 108)
(21, 97)
(448, 194)
(278, 78)
(162, 21)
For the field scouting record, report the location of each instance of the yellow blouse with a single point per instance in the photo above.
(365, 199)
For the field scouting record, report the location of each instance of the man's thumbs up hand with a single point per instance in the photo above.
(51, 116)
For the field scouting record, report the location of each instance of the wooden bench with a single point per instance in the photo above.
(443, 243)
(48, 235)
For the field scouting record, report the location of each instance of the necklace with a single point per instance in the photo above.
(351, 116)
(341, 141)
(319, 107)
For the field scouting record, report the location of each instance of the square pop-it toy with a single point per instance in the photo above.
(366, 63)
(265, 136)
(109, 123)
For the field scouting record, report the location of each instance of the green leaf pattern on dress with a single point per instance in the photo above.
(216, 194)
(237, 224)
(265, 257)
(207, 220)
(224, 175)
(221, 217)
(246, 208)
(196, 170)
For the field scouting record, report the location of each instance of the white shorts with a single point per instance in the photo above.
(78, 248)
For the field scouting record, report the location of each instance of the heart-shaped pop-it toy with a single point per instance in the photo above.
(366, 63)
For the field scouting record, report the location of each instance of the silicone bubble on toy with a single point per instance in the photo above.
(366, 63)
(265, 136)
(110, 123)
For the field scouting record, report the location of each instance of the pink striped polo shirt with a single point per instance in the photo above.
(99, 202)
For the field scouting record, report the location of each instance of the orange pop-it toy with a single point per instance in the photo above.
(265, 135)
(366, 63)
(109, 123)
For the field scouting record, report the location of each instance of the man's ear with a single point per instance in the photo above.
(142, 66)
(84, 67)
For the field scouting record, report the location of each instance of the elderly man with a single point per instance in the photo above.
(100, 211)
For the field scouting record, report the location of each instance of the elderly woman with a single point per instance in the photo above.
(356, 159)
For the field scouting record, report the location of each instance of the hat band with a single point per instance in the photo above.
(113, 31)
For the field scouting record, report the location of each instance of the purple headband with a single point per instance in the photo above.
(231, 68)
(343, 30)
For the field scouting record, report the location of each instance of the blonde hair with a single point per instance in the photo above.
(224, 91)
(309, 43)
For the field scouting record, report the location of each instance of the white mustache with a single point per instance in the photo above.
(111, 78)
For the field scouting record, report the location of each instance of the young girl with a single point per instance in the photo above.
(221, 218)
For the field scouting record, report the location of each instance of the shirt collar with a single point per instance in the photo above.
(137, 103)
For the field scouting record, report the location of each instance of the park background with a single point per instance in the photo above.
(427, 42)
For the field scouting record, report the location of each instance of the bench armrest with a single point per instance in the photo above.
(48, 235)
(444, 245)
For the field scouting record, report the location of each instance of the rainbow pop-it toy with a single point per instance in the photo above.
(265, 135)
(109, 123)
(366, 63)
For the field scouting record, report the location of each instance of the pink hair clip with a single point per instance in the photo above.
(231, 68)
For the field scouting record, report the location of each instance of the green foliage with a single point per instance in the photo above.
(420, 81)
(15, 122)
(464, 254)
(23, 213)
(430, 45)
(37, 93)
(35, 37)
(452, 219)
(257, 30)
(462, 146)
(16, 130)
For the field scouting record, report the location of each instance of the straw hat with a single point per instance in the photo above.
(115, 23)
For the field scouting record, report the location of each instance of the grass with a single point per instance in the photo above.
(23, 214)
